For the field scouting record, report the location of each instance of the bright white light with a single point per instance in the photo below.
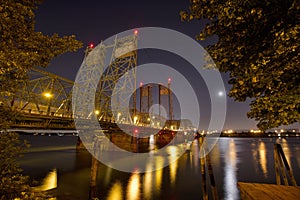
(220, 93)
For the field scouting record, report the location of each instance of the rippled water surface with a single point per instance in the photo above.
(233, 160)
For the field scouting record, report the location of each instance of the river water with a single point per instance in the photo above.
(233, 160)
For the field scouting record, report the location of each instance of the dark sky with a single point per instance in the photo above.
(95, 20)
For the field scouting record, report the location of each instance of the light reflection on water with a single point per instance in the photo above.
(173, 154)
(116, 192)
(259, 156)
(158, 174)
(230, 170)
(148, 182)
(49, 182)
(233, 160)
(263, 158)
(286, 149)
(133, 187)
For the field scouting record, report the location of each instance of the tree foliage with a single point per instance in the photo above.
(21, 48)
(258, 44)
(12, 182)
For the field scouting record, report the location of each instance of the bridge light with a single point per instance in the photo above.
(118, 116)
(97, 112)
(47, 94)
(135, 118)
(169, 80)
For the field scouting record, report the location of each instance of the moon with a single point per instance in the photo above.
(220, 93)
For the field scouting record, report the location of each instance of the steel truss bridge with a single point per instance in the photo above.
(45, 100)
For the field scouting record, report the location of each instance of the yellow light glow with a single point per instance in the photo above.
(97, 112)
(263, 158)
(255, 131)
(48, 94)
(135, 118)
(173, 152)
(148, 182)
(159, 164)
(133, 187)
(50, 182)
(116, 192)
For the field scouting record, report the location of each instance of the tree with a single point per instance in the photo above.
(258, 44)
(21, 48)
(12, 182)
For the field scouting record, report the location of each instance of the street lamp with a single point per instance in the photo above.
(48, 95)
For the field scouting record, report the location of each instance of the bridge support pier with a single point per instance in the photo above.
(79, 145)
(94, 170)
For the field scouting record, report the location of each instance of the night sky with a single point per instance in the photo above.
(94, 20)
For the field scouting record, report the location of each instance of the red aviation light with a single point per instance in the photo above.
(135, 32)
(91, 45)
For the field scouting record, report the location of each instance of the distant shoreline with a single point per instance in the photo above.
(260, 135)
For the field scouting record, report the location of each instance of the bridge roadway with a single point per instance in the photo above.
(39, 123)
(123, 135)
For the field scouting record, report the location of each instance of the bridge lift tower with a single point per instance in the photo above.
(117, 83)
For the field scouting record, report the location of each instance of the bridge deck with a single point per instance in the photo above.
(251, 191)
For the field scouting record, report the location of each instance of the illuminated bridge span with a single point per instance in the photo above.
(45, 100)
